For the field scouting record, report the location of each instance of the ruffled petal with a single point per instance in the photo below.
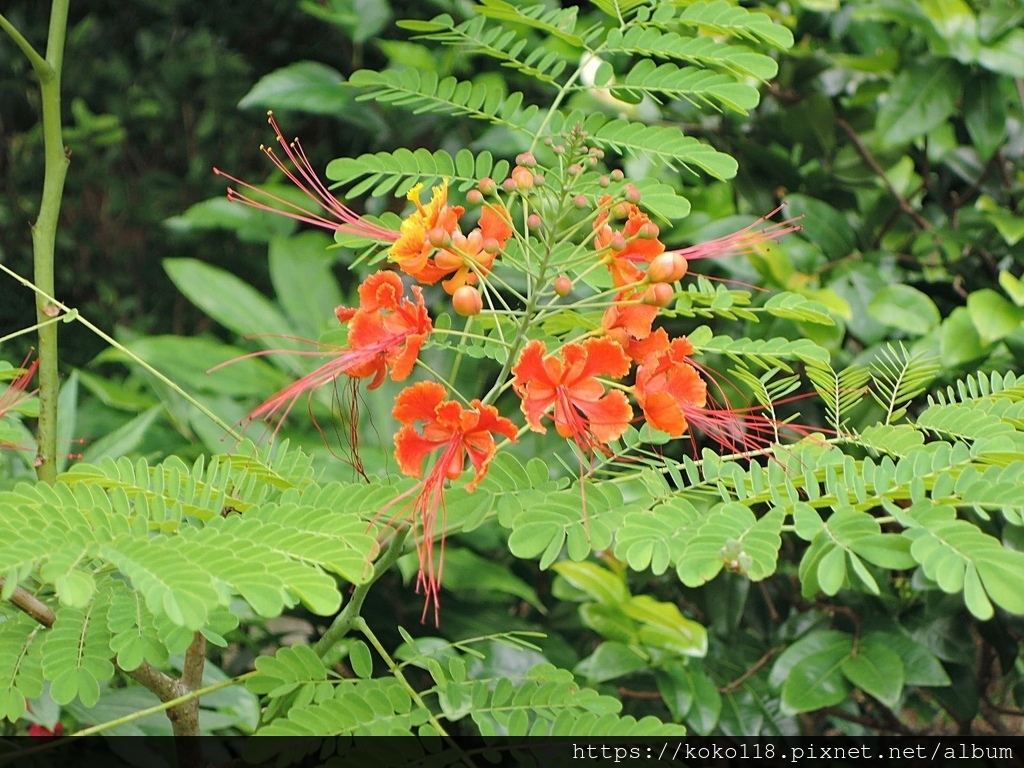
(411, 449)
(663, 412)
(609, 417)
(418, 402)
(494, 223)
(605, 358)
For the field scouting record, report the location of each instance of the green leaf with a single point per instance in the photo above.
(306, 86)
(905, 308)
(199, 365)
(959, 341)
(985, 115)
(470, 574)
(921, 666)
(123, 440)
(876, 670)
(810, 672)
(360, 659)
(993, 316)
(823, 225)
(300, 269)
(832, 571)
(610, 660)
(598, 583)
(229, 300)
(923, 96)
(662, 625)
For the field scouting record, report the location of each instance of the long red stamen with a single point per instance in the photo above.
(745, 240)
(17, 391)
(346, 361)
(305, 178)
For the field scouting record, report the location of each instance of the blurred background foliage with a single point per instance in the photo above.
(895, 127)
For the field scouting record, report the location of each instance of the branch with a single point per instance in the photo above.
(862, 150)
(164, 686)
(184, 716)
(44, 237)
(39, 65)
(348, 617)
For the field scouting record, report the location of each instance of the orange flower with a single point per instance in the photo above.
(459, 432)
(627, 248)
(473, 254)
(341, 217)
(386, 333)
(413, 249)
(582, 408)
(668, 386)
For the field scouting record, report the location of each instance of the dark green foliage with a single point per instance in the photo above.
(868, 578)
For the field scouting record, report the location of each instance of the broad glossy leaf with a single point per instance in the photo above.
(923, 96)
(876, 669)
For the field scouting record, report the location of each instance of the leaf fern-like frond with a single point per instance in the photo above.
(382, 172)
(898, 378)
(699, 51)
(479, 36)
(839, 391)
(424, 92)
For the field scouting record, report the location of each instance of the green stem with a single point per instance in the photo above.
(39, 65)
(72, 314)
(44, 233)
(349, 615)
(164, 706)
(361, 625)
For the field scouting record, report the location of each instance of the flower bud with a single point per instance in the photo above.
(648, 231)
(667, 268)
(474, 197)
(575, 169)
(617, 175)
(580, 201)
(491, 245)
(618, 242)
(467, 301)
(522, 178)
(604, 181)
(487, 186)
(533, 221)
(658, 295)
(508, 185)
(632, 194)
(563, 285)
(526, 159)
(439, 238)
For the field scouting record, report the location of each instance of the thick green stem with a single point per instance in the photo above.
(350, 614)
(44, 236)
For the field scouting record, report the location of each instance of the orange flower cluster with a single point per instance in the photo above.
(668, 387)
(581, 388)
(431, 246)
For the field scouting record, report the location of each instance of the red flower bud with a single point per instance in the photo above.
(467, 301)
(667, 268)
(658, 295)
(563, 285)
